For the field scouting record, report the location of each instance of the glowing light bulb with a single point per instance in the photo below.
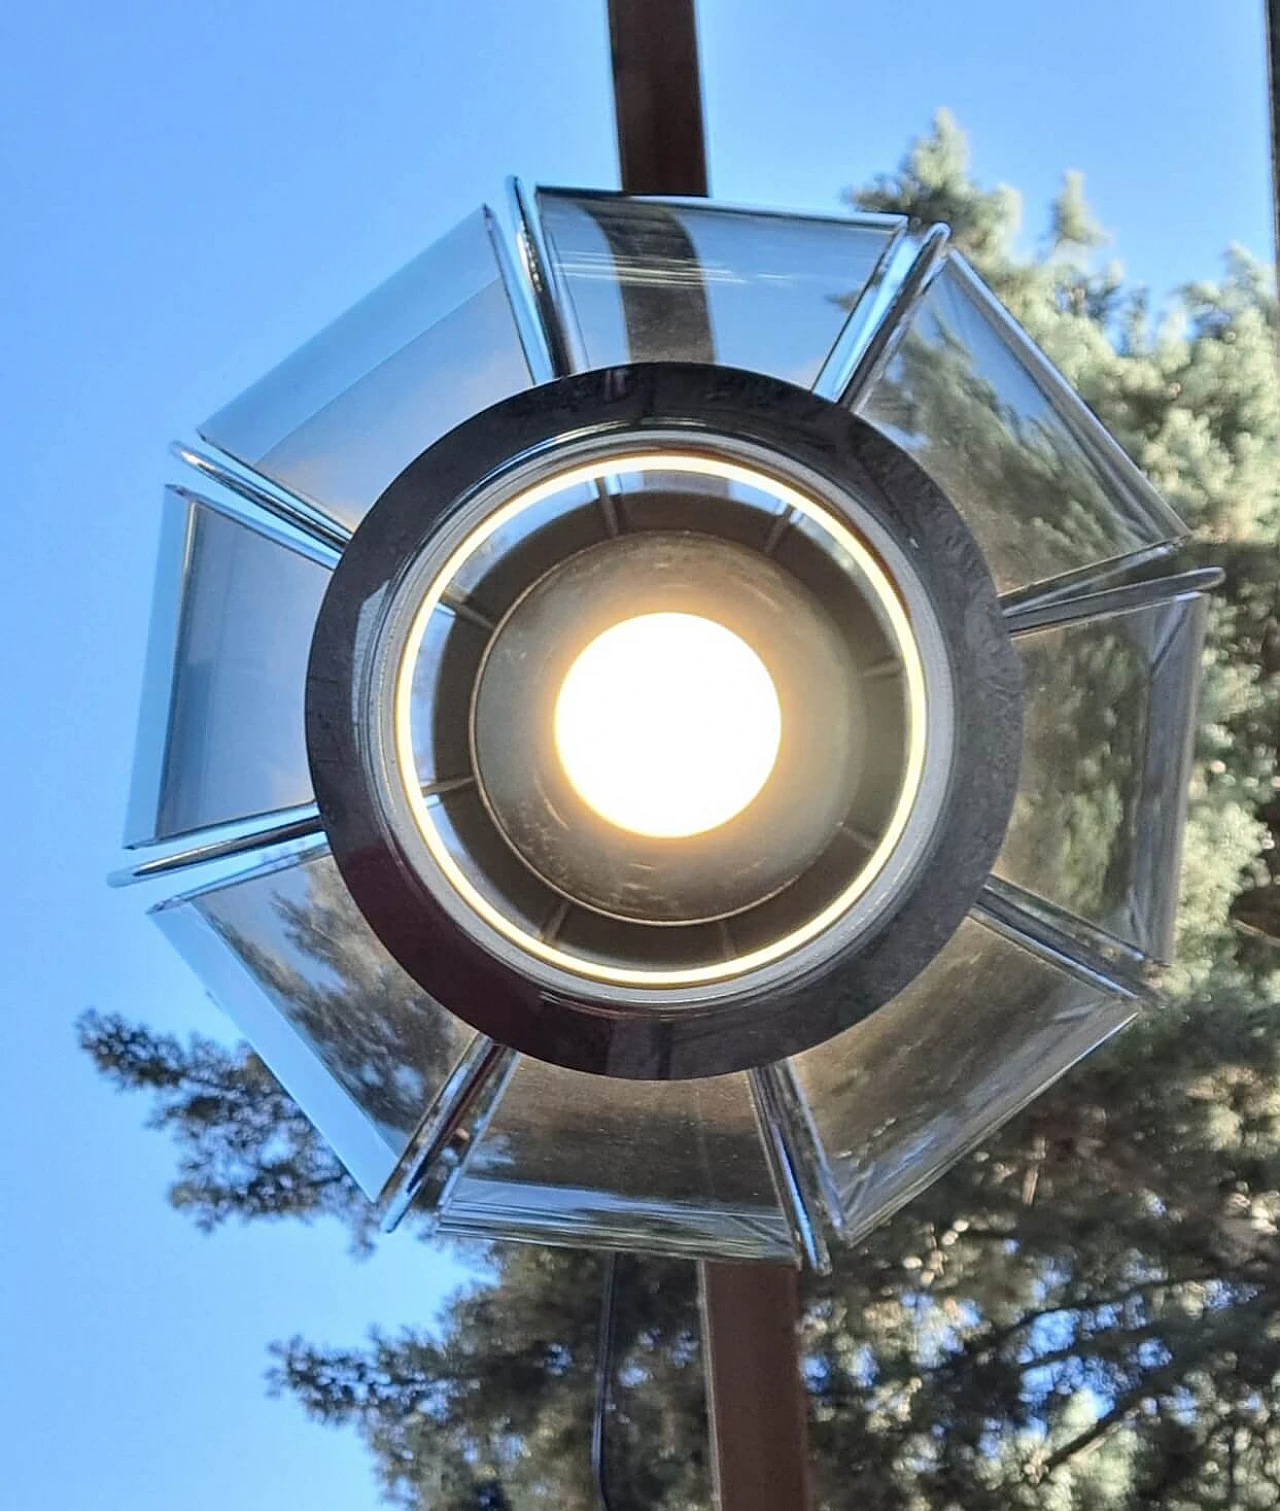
(668, 724)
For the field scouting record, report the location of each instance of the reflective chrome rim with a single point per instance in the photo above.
(672, 1018)
(879, 563)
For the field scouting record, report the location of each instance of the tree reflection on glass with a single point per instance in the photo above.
(1095, 823)
(301, 937)
(960, 402)
(1082, 766)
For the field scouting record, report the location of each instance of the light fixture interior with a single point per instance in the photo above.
(582, 812)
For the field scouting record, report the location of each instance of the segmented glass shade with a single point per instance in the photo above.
(426, 1114)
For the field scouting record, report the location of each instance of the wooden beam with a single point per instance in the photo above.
(657, 93)
(751, 1343)
(759, 1421)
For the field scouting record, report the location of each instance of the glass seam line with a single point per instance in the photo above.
(305, 823)
(268, 495)
(863, 320)
(891, 327)
(1134, 959)
(735, 1237)
(1097, 577)
(472, 1091)
(817, 1178)
(1023, 619)
(537, 290)
(999, 908)
(559, 315)
(531, 273)
(153, 737)
(785, 1169)
(603, 1403)
(268, 529)
(523, 304)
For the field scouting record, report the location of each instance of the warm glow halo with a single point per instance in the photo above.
(667, 725)
(887, 598)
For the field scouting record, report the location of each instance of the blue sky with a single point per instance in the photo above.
(190, 192)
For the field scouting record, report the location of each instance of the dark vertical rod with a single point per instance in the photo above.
(604, 1382)
(756, 1395)
(657, 92)
(1273, 91)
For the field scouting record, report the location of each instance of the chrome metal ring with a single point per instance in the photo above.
(599, 461)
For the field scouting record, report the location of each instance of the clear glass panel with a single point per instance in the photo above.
(357, 1044)
(1039, 482)
(675, 1166)
(1107, 713)
(346, 413)
(221, 735)
(649, 281)
(904, 1094)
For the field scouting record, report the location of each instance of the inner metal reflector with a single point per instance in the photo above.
(807, 595)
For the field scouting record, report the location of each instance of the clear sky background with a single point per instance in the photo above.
(189, 192)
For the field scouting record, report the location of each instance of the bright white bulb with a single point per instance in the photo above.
(668, 724)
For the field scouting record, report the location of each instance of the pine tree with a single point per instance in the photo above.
(1082, 1316)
